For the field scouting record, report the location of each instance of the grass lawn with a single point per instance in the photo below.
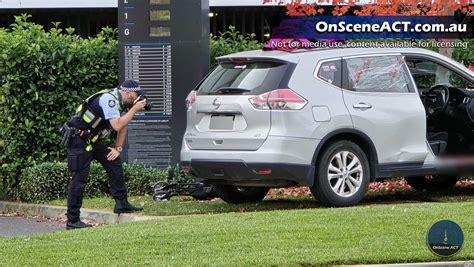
(187, 206)
(356, 235)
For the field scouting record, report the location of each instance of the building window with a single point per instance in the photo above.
(160, 32)
(160, 15)
(159, 2)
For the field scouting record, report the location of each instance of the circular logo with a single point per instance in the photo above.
(111, 103)
(445, 238)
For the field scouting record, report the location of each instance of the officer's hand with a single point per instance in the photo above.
(113, 154)
(139, 105)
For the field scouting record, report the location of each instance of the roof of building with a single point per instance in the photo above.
(25, 4)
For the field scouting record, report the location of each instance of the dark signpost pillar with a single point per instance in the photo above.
(164, 45)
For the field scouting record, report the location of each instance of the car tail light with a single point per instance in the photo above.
(260, 101)
(190, 99)
(263, 171)
(280, 99)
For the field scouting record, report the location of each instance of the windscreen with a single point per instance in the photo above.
(253, 78)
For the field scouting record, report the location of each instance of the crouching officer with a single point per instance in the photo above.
(81, 134)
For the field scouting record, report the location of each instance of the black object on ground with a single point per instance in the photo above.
(197, 190)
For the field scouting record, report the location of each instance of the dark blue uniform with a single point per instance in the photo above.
(81, 151)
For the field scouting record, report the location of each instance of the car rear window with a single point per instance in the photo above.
(257, 77)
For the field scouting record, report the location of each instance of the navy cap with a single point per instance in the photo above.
(131, 86)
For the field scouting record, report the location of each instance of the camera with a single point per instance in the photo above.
(148, 105)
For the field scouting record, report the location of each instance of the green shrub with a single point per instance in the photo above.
(43, 182)
(230, 42)
(176, 175)
(43, 76)
(139, 178)
(465, 56)
(49, 181)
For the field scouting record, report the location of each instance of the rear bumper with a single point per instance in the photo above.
(276, 149)
(288, 158)
(238, 172)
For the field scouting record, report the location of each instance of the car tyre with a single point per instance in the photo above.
(238, 194)
(342, 175)
(432, 183)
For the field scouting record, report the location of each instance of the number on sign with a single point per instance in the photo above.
(127, 32)
(126, 15)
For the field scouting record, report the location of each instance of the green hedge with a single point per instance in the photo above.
(49, 181)
(43, 75)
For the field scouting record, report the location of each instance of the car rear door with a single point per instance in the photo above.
(223, 116)
(384, 104)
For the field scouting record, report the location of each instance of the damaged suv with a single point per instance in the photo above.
(331, 119)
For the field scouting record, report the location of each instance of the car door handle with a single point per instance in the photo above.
(362, 106)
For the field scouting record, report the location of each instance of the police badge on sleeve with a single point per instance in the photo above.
(112, 103)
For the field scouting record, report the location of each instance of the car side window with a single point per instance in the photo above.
(428, 74)
(331, 72)
(384, 74)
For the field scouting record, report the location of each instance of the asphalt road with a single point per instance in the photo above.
(19, 226)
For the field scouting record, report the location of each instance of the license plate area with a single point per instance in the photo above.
(222, 122)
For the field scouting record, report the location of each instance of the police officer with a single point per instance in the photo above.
(93, 119)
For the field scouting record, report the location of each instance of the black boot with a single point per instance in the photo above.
(122, 206)
(77, 225)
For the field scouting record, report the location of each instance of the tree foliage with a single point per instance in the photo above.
(43, 75)
(465, 56)
(231, 41)
(376, 8)
(379, 8)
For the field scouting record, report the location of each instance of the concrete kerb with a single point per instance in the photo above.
(99, 216)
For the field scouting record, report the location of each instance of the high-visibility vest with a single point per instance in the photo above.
(88, 115)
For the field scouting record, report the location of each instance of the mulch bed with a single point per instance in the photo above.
(398, 185)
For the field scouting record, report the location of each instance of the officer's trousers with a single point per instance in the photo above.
(79, 160)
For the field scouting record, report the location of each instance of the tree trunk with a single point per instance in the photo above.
(447, 51)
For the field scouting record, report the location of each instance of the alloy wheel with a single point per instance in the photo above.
(345, 174)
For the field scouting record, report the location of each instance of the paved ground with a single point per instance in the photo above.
(20, 226)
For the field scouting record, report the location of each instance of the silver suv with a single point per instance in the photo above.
(330, 119)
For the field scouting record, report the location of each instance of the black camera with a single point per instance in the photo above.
(148, 105)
